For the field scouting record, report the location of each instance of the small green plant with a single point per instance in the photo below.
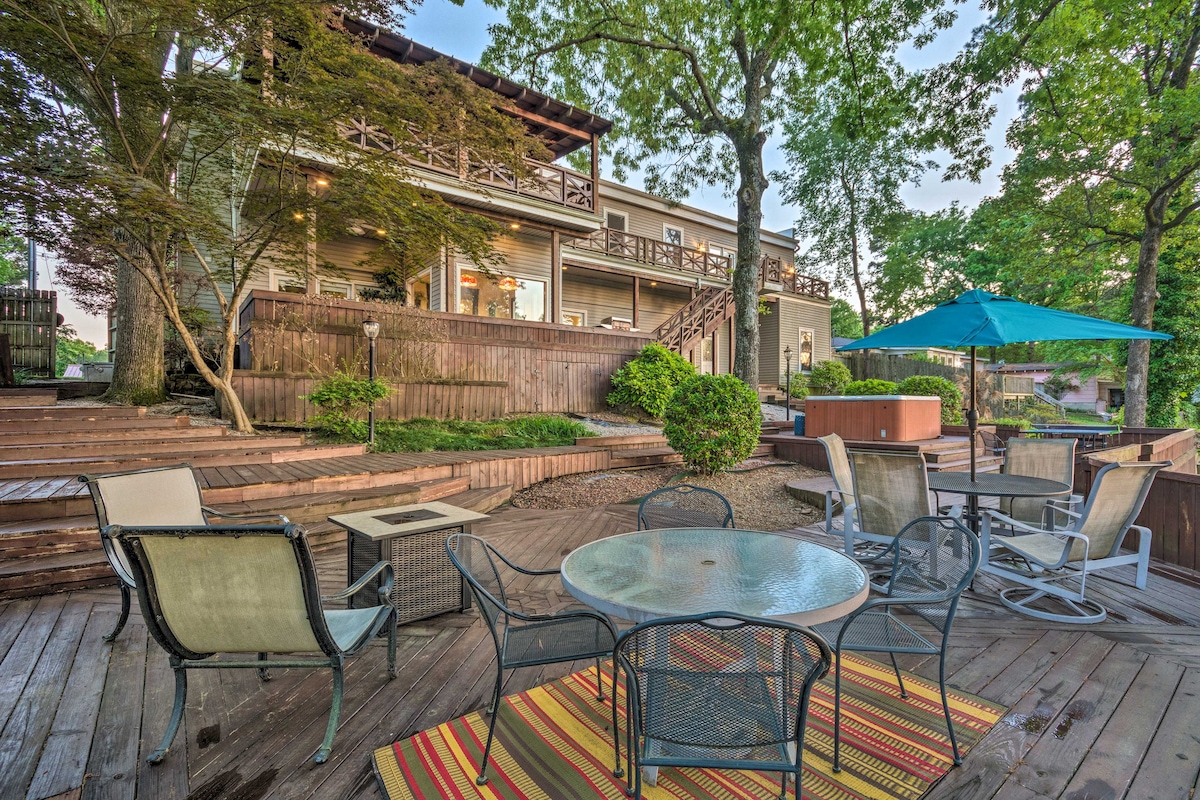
(1013, 422)
(713, 421)
(648, 380)
(871, 386)
(423, 435)
(829, 377)
(799, 388)
(343, 399)
(935, 386)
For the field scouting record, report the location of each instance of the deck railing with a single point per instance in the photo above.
(774, 270)
(544, 181)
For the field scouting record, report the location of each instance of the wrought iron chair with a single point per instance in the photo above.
(237, 589)
(156, 496)
(1041, 560)
(718, 690)
(684, 506)
(891, 490)
(526, 640)
(843, 483)
(992, 444)
(933, 561)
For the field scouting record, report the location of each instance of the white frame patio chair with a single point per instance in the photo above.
(890, 491)
(843, 484)
(1042, 560)
(154, 496)
(212, 589)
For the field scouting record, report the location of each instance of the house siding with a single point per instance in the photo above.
(781, 329)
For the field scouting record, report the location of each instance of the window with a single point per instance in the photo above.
(418, 290)
(503, 297)
(672, 235)
(576, 318)
(334, 288)
(614, 221)
(706, 356)
(283, 282)
(729, 252)
(806, 350)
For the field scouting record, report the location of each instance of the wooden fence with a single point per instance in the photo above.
(990, 386)
(30, 318)
(448, 366)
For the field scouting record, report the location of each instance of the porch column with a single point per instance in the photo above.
(450, 290)
(596, 174)
(637, 292)
(556, 280)
(310, 244)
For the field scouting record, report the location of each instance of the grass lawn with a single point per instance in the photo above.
(423, 435)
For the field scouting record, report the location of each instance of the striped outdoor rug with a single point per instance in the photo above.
(554, 743)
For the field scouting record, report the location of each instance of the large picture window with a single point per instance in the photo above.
(504, 297)
(806, 350)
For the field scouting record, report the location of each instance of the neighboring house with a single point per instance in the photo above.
(1093, 395)
(582, 251)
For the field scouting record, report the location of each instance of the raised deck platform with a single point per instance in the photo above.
(943, 454)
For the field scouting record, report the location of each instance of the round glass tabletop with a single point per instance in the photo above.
(679, 571)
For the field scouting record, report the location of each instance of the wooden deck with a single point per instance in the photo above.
(1105, 711)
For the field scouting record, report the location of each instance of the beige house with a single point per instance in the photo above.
(581, 251)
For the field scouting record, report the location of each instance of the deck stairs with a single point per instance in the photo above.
(647, 450)
(706, 312)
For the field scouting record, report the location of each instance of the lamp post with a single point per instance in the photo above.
(371, 329)
(787, 392)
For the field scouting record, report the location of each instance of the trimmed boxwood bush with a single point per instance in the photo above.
(935, 386)
(648, 380)
(870, 386)
(713, 421)
(829, 377)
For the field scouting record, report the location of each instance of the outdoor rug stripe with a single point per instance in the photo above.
(554, 742)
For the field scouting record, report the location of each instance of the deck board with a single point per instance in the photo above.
(1130, 691)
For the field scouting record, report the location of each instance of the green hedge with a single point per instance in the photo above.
(648, 380)
(713, 421)
(934, 386)
(871, 386)
(829, 377)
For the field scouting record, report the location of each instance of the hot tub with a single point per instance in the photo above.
(877, 418)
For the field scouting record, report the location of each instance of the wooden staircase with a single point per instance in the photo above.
(706, 312)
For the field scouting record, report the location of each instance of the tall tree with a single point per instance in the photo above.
(13, 259)
(1108, 134)
(211, 135)
(695, 89)
(844, 321)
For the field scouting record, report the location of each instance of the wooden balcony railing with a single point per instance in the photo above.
(656, 253)
(697, 319)
(545, 181)
(773, 270)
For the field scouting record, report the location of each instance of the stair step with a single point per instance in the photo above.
(56, 412)
(48, 451)
(56, 573)
(982, 464)
(88, 425)
(937, 456)
(312, 508)
(121, 435)
(650, 456)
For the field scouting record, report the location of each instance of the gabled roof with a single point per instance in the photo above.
(564, 127)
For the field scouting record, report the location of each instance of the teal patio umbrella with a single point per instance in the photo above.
(982, 319)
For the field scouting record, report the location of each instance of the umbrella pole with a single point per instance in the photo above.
(972, 415)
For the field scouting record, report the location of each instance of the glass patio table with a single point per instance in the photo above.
(679, 571)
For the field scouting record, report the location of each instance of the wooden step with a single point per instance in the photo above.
(982, 464)
(64, 427)
(178, 447)
(48, 412)
(13, 398)
(644, 457)
(65, 535)
(622, 442)
(115, 436)
(57, 573)
(937, 456)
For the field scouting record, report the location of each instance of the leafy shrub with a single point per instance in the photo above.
(648, 380)
(1015, 422)
(713, 421)
(799, 389)
(423, 435)
(829, 377)
(870, 386)
(344, 399)
(936, 386)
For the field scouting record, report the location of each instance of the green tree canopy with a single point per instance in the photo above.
(844, 320)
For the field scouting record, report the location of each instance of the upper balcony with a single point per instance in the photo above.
(773, 272)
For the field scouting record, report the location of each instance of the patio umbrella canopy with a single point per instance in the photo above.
(982, 319)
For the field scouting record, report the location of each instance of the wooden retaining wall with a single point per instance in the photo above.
(448, 366)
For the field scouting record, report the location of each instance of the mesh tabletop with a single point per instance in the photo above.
(996, 484)
(680, 571)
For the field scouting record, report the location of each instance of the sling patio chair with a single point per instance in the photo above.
(933, 559)
(843, 483)
(1053, 459)
(1045, 562)
(890, 491)
(684, 506)
(213, 589)
(718, 690)
(155, 496)
(522, 639)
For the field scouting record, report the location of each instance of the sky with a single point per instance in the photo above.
(462, 32)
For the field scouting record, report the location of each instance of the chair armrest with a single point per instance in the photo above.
(991, 514)
(385, 585)
(212, 512)
(525, 570)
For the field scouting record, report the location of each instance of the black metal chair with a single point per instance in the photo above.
(207, 589)
(684, 506)
(718, 690)
(527, 640)
(933, 561)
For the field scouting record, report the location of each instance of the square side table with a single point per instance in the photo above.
(413, 539)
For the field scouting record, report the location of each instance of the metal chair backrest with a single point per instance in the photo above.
(839, 466)
(1052, 459)
(684, 506)
(892, 489)
(227, 589)
(473, 557)
(674, 663)
(1116, 499)
(158, 496)
(934, 560)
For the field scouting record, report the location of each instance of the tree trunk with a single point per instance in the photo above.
(859, 288)
(752, 184)
(138, 366)
(1145, 293)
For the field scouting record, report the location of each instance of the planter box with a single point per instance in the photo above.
(882, 418)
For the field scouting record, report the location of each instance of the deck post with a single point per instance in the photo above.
(556, 281)
(596, 173)
(637, 292)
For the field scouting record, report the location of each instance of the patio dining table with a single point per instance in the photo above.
(993, 484)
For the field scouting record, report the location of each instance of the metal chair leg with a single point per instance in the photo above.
(837, 714)
(392, 645)
(335, 711)
(617, 771)
(495, 712)
(264, 674)
(899, 680)
(599, 681)
(125, 602)
(946, 707)
(176, 713)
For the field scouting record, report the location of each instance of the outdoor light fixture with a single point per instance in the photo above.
(654, 283)
(322, 182)
(468, 281)
(787, 371)
(516, 226)
(381, 232)
(297, 215)
(507, 284)
(371, 329)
